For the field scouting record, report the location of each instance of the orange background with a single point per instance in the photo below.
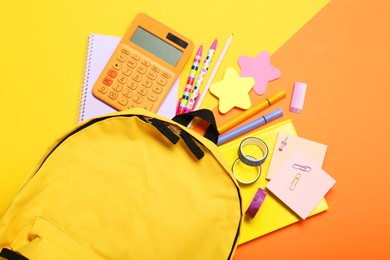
(343, 56)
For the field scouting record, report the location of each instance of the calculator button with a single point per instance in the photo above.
(122, 79)
(141, 69)
(126, 51)
(137, 98)
(147, 83)
(165, 74)
(133, 85)
(145, 62)
(107, 81)
(103, 89)
(142, 91)
(153, 97)
(127, 93)
(134, 80)
(136, 57)
(121, 57)
(127, 71)
(112, 73)
(117, 87)
(152, 75)
(162, 81)
(147, 105)
(155, 68)
(123, 101)
(137, 77)
(112, 95)
(132, 64)
(157, 89)
(117, 65)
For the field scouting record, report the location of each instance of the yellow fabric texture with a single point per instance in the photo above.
(116, 188)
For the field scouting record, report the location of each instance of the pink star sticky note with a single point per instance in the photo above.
(260, 69)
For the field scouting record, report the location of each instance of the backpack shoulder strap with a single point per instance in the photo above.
(11, 255)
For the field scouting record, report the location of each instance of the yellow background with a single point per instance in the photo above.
(43, 49)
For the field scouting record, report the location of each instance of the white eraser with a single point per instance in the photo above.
(298, 98)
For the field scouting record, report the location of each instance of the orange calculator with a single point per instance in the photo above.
(144, 66)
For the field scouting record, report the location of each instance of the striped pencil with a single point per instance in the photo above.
(203, 94)
(190, 81)
(206, 64)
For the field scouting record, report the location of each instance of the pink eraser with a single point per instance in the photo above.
(298, 98)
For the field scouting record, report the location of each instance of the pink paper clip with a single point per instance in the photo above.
(300, 167)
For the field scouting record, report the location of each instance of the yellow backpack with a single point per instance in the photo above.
(126, 186)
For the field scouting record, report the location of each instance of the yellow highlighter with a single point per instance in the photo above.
(252, 111)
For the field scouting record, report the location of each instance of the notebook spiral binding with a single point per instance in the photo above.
(84, 90)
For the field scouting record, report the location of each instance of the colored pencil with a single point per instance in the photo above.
(190, 81)
(212, 75)
(206, 64)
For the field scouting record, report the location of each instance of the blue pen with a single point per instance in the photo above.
(250, 126)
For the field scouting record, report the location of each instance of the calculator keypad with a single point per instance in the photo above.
(133, 80)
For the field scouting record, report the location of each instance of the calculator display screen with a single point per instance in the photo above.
(156, 46)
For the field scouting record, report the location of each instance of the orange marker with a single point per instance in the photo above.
(252, 111)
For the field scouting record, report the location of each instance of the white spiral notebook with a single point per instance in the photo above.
(100, 49)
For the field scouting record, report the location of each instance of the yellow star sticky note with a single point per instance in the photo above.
(233, 91)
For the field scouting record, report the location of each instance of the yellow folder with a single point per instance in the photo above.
(273, 214)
